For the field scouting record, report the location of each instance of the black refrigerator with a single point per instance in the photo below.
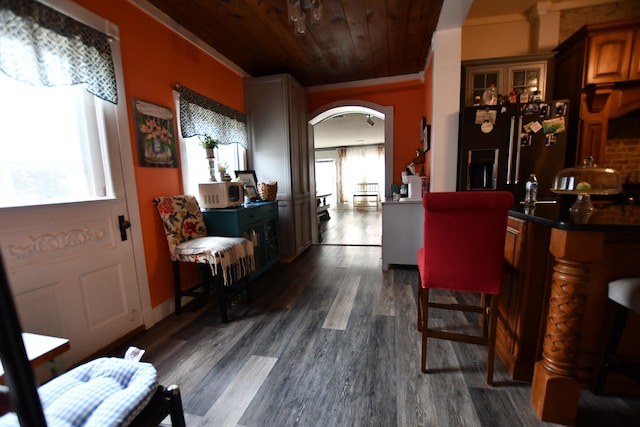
(501, 145)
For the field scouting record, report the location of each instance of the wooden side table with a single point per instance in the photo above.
(42, 349)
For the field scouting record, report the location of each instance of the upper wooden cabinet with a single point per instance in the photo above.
(600, 54)
(609, 57)
(634, 69)
(522, 74)
(598, 62)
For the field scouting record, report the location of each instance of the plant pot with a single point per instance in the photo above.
(210, 153)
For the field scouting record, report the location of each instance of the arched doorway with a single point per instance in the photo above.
(327, 111)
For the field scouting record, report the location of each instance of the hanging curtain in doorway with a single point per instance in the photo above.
(358, 165)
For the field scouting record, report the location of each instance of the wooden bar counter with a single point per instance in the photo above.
(554, 310)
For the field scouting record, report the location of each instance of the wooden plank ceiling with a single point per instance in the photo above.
(355, 39)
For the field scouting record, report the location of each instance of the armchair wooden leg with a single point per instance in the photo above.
(205, 277)
(248, 290)
(222, 299)
(176, 286)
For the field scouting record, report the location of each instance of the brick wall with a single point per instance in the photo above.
(623, 155)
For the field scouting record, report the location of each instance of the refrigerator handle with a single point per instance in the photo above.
(516, 178)
(510, 150)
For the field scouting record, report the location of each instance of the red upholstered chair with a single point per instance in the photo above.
(464, 235)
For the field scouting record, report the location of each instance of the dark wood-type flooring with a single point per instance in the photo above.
(349, 226)
(331, 340)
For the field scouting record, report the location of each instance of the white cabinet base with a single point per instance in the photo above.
(402, 225)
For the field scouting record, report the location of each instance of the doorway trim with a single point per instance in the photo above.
(345, 107)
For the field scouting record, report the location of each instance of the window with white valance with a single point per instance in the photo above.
(199, 116)
(58, 80)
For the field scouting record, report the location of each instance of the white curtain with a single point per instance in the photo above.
(358, 165)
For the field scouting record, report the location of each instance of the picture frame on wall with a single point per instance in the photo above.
(425, 134)
(155, 135)
(427, 138)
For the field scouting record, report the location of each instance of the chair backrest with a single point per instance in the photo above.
(464, 235)
(182, 220)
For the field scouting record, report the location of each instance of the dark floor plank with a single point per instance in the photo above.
(365, 375)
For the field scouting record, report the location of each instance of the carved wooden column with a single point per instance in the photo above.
(555, 390)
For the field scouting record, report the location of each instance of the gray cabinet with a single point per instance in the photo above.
(402, 232)
(257, 222)
(279, 151)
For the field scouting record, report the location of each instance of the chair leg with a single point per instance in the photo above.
(491, 343)
(485, 301)
(424, 302)
(205, 277)
(177, 412)
(620, 317)
(177, 286)
(222, 299)
(420, 319)
(248, 290)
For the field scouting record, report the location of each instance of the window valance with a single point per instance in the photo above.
(200, 115)
(40, 46)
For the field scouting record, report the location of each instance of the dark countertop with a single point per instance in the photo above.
(605, 217)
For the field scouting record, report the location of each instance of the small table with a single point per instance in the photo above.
(322, 206)
(43, 349)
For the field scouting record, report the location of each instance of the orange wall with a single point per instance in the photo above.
(154, 60)
(408, 100)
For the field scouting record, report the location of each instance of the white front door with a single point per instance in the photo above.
(71, 272)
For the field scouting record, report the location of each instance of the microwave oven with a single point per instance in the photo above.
(224, 194)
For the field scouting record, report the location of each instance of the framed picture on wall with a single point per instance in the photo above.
(427, 138)
(155, 135)
(425, 134)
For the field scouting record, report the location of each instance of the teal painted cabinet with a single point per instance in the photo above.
(257, 222)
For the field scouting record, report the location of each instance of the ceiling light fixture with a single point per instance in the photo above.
(369, 121)
(295, 10)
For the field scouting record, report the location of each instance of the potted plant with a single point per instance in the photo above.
(209, 144)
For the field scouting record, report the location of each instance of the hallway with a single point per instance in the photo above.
(356, 227)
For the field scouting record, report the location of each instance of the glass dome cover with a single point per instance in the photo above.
(587, 178)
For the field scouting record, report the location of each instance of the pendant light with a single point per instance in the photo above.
(296, 12)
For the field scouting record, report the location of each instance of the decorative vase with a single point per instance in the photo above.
(156, 145)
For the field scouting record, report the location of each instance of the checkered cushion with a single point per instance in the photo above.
(105, 392)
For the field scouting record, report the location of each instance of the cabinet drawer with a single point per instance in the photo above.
(247, 217)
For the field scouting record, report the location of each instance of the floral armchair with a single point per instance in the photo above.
(188, 242)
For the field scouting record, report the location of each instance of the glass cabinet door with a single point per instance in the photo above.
(480, 78)
(527, 79)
